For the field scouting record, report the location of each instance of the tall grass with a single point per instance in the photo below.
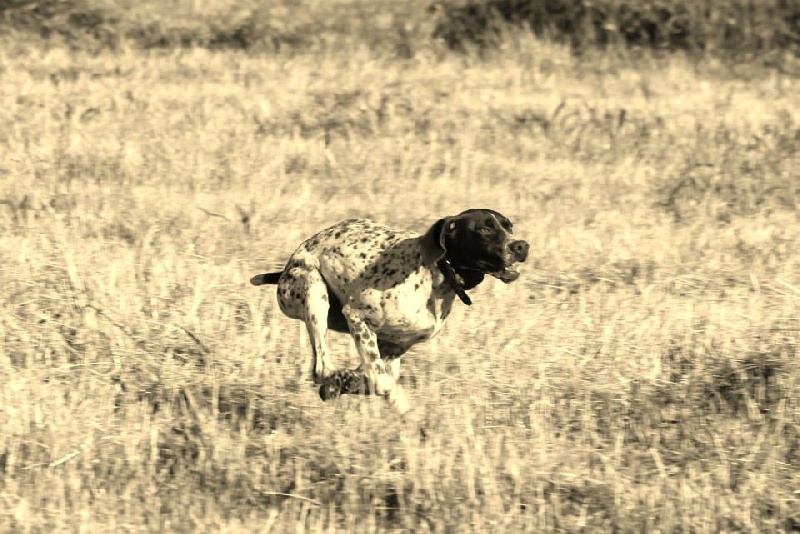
(641, 375)
(732, 28)
(255, 25)
(753, 30)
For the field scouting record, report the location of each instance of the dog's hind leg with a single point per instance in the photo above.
(303, 294)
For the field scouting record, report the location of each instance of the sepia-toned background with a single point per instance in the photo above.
(642, 374)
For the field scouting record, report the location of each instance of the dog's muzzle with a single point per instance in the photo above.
(518, 253)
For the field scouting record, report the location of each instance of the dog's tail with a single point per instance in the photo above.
(266, 278)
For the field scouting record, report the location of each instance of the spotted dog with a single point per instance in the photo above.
(389, 289)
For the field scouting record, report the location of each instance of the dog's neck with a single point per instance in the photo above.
(459, 279)
(433, 252)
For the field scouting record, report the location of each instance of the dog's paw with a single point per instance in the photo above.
(345, 381)
(352, 382)
(329, 390)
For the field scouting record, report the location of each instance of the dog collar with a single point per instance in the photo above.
(452, 278)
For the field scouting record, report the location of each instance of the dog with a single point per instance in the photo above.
(389, 289)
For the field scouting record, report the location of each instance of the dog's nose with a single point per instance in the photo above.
(520, 249)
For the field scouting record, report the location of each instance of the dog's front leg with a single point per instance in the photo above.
(379, 377)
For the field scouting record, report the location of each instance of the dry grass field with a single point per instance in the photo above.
(641, 376)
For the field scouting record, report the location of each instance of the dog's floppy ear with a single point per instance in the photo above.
(432, 243)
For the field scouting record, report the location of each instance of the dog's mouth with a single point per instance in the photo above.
(506, 270)
(506, 275)
(509, 270)
(504, 265)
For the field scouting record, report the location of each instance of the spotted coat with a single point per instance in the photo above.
(390, 289)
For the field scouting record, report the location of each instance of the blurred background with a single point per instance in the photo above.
(641, 375)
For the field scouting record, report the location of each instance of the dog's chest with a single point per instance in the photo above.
(411, 311)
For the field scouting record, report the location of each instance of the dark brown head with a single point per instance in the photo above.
(476, 242)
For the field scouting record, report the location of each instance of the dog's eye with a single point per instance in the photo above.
(485, 230)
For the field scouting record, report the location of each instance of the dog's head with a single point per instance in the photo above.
(479, 241)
